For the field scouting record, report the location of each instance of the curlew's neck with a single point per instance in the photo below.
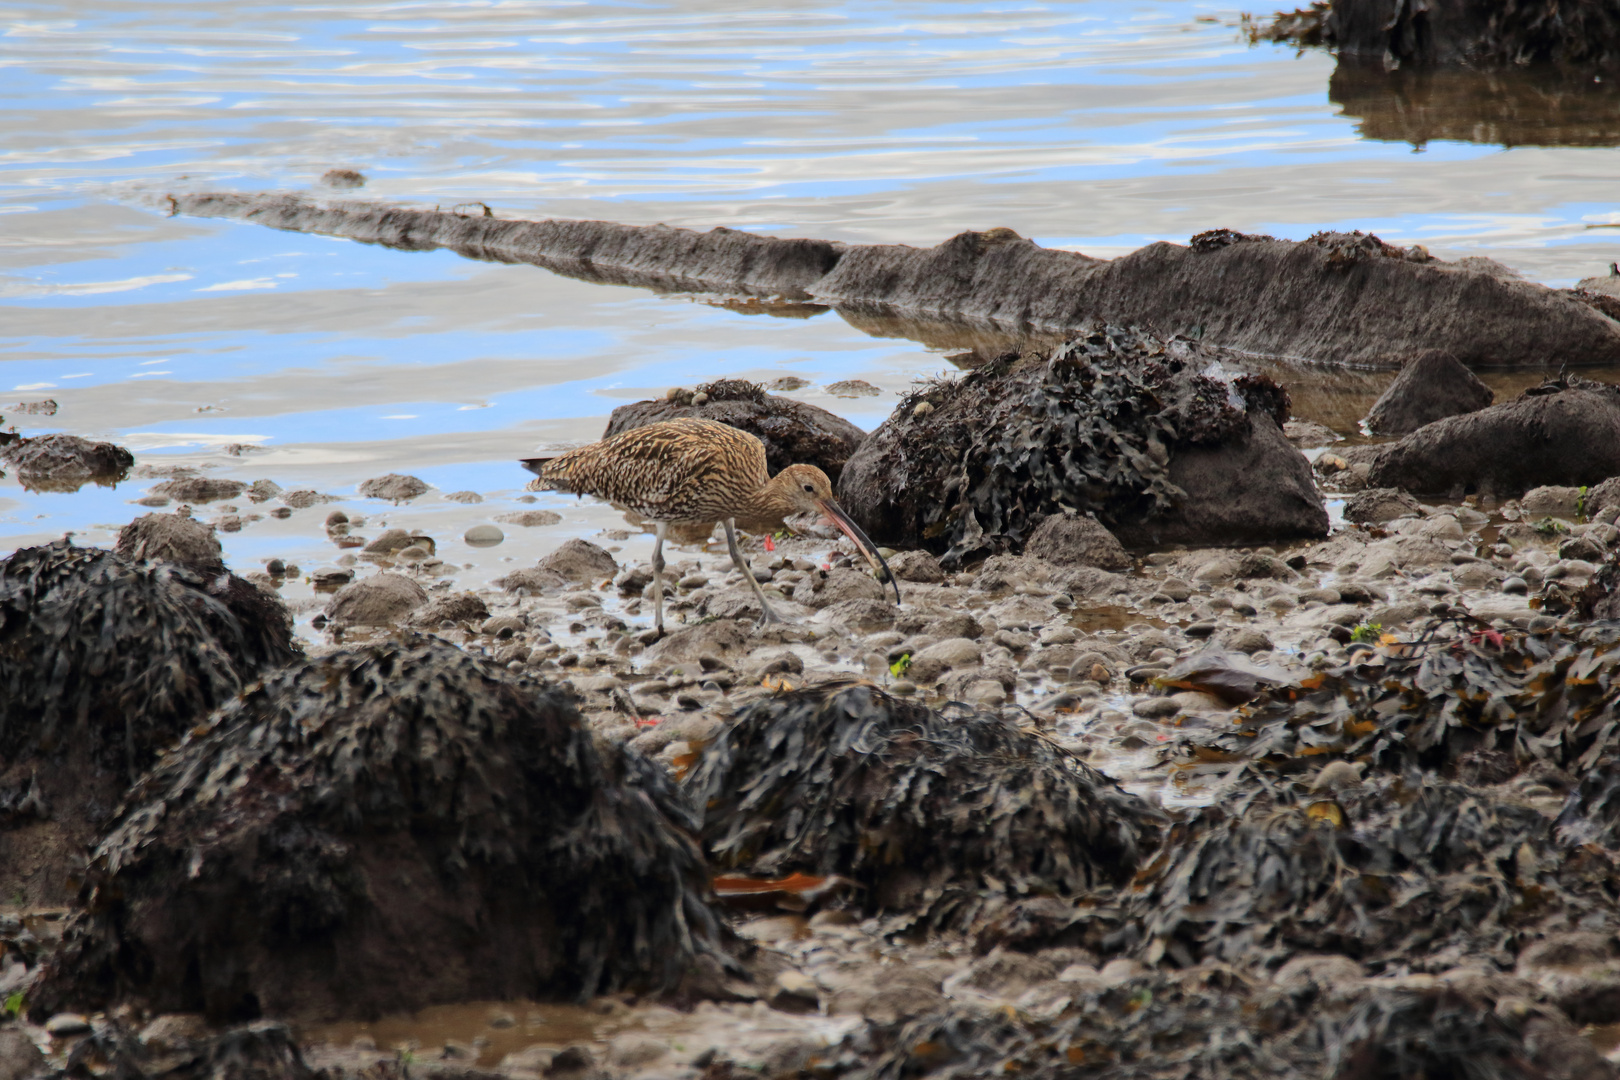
(774, 501)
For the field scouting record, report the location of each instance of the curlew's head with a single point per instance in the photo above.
(805, 489)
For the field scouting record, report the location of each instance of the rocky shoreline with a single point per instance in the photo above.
(1335, 805)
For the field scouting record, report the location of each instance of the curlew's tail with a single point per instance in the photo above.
(537, 465)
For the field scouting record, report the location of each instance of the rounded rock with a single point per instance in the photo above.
(483, 536)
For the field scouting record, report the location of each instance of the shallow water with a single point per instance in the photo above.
(1092, 125)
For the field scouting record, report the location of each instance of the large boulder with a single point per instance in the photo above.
(382, 829)
(1564, 432)
(1431, 386)
(1116, 423)
(793, 432)
(941, 816)
(105, 663)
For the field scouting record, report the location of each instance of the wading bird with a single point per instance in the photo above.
(691, 471)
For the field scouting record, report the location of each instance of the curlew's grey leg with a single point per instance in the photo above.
(658, 580)
(766, 614)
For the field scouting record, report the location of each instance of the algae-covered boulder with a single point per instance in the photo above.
(378, 830)
(794, 433)
(1140, 432)
(1402, 872)
(104, 663)
(928, 813)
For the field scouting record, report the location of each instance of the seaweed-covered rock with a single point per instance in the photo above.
(394, 487)
(1401, 872)
(1207, 1025)
(263, 1050)
(172, 538)
(64, 462)
(1115, 422)
(794, 433)
(104, 663)
(1456, 688)
(1479, 33)
(1431, 386)
(1565, 431)
(381, 829)
(929, 813)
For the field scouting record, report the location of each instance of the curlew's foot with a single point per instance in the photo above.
(651, 637)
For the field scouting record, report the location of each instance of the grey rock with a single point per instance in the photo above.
(819, 590)
(581, 560)
(1431, 386)
(456, 608)
(467, 497)
(1564, 432)
(534, 580)
(380, 600)
(920, 566)
(64, 462)
(304, 498)
(483, 536)
(394, 487)
(19, 1057)
(200, 489)
(65, 1024)
(1378, 505)
(1077, 540)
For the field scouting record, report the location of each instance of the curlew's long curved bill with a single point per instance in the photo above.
(836, 515)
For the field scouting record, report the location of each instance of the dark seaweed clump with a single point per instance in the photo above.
(977, 463)
(925, 811)
(259, 1051)
(1402, 873)
(1211, 1025)
(119, 658)
(380, 829)
(1458, 689)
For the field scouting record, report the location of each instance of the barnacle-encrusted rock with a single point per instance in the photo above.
(929, 813)
(1115, 422)
(793, 432)
(61, 462)
(381, 829)
(172, 538)
(105, 662)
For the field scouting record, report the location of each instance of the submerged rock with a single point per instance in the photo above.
(1431, 386)
(931, 814)
(105, 663)
(793, 432)
(64, 462)
(1565, 431)
(382, 829)
(1116, 422)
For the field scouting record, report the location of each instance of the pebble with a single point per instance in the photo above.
(1515, 586)
(1154, 708)
(64, 1024)
(483, 536)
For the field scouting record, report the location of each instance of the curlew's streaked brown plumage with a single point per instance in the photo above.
(688, 471)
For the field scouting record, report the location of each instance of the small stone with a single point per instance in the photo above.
(850, 388)
(1202, 629)
(483, 536)
(903, 688)
(795, 992)
(275, 568)
(502, 625)
(529, 519)
(1515, 586)
(1155, 708)
(467, 497)
(64, 1024)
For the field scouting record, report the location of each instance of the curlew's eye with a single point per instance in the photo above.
(810, 488)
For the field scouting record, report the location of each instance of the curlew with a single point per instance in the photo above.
(691, 471)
